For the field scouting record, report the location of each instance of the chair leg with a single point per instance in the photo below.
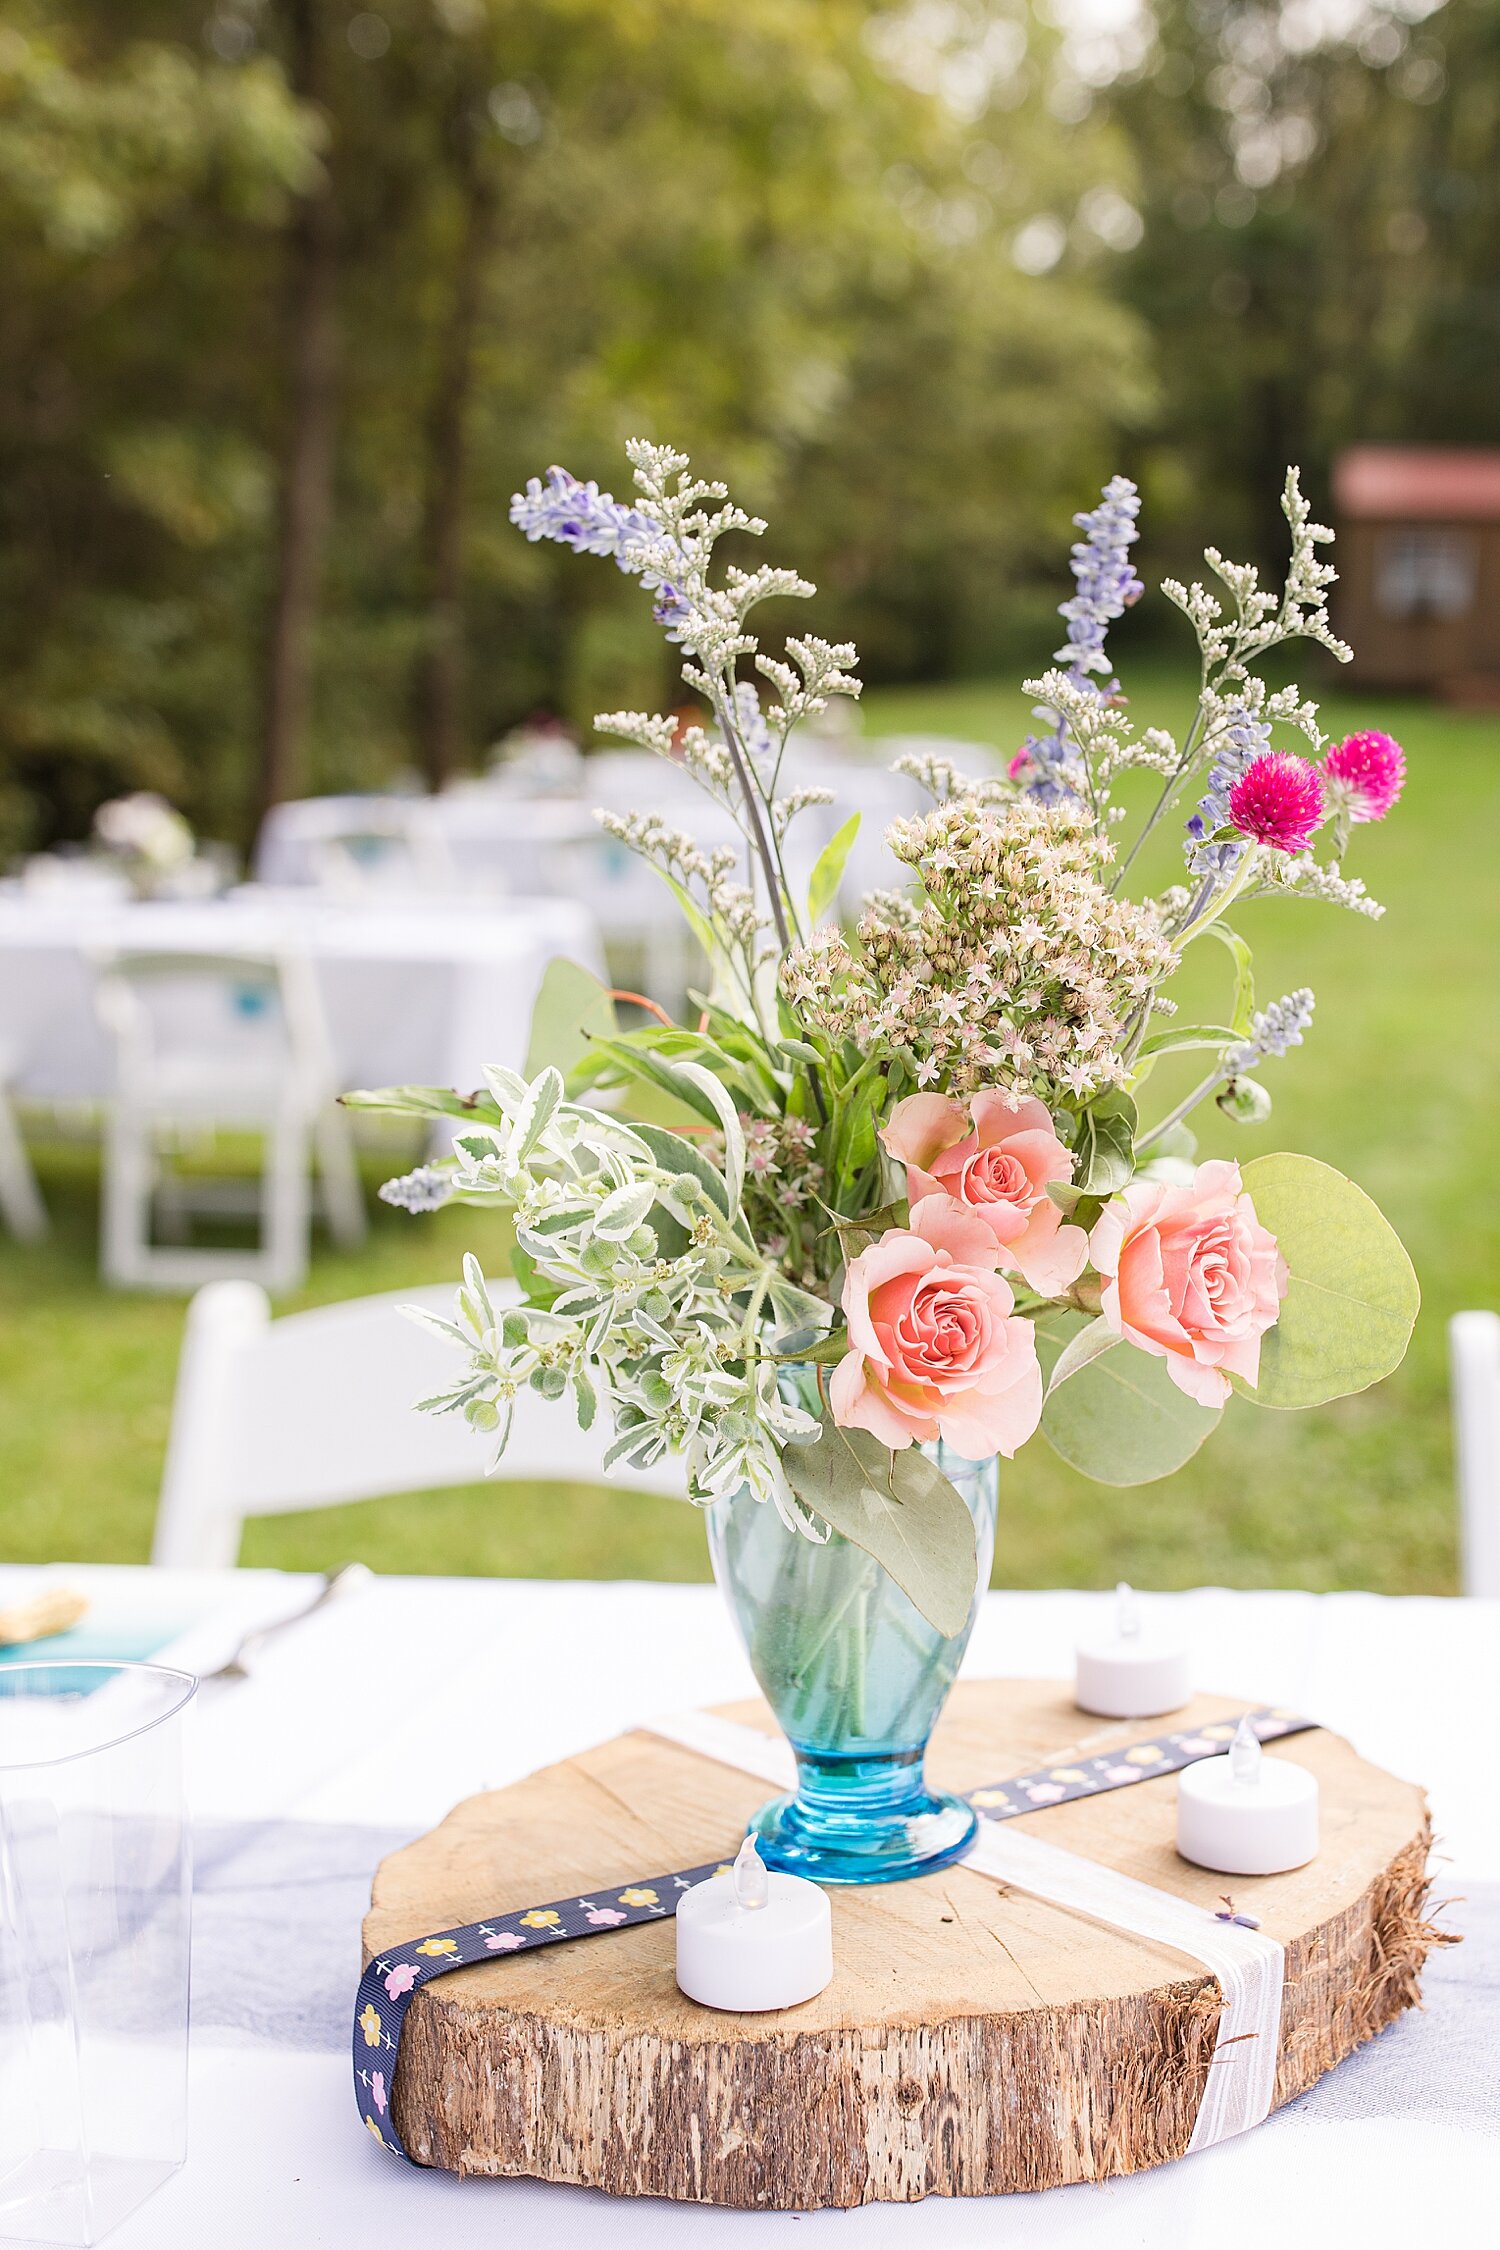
(343, 1201)
(286, 1213)
(20, 1198)
(125, 1208)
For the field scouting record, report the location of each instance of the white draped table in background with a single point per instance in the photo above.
(362, 1728)
(415, 991)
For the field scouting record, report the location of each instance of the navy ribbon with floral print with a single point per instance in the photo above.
(389, 1983)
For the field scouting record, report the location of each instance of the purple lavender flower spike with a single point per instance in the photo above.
(1107, 585)
(580, 516)
(1105, 576)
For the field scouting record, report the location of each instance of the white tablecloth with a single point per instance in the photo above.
(300, 1779)
(416, 992)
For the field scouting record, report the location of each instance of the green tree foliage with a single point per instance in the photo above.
(1321, 259)
(137, 182)
(790, 234)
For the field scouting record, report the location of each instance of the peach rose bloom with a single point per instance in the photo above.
(935, 1349)
(1191, 1275)
(997, 1157)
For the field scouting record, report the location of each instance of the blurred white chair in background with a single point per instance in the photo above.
(357, 847)
(274, 1416)
(206, 1042)
(1474, 1352)
(21, 1204)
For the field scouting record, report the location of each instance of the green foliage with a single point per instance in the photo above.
(1105, 1144)
(741, 225)
(898, 1508)
(1320, 216)
(1118, 1417)
(1348, 1313)
(572, 1008)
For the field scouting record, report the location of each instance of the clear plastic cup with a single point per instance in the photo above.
(95, 1932)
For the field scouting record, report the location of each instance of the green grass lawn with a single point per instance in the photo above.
(1398, 1084)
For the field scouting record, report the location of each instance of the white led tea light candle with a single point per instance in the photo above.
(751, 1938)
(1247, 1814)
(1132, 1674)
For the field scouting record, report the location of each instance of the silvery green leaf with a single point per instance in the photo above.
(585, 1399)
(502, 1438)
(474, 1278)
(449, 1330)
(729, 1118)
(622, 1212)
(508, 1087)
(543, 1100)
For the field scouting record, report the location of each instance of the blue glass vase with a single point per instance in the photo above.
(856, 1677)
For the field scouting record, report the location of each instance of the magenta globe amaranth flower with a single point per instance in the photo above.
(1278, 800)
(1366, 775)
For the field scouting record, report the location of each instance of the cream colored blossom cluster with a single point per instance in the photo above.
(1014, 967)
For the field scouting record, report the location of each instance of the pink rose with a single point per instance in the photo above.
(934, 1348)
(1191, 1275)
(997, 1157)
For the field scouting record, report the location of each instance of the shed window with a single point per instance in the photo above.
(1424, 573)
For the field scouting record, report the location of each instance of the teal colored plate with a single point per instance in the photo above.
(130, 1641)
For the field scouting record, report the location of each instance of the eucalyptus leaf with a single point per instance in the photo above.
(572, 1008)
(1105, 1144)
(1120, 1419)
(1084, 1347)
(1348, 1313)
(898, 1508)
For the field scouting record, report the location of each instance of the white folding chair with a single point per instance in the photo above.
(273, 1416)
(21, 1204)
(360, 848)
(1474, 1353)
(207, 1041)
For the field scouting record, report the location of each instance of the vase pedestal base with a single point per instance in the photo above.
(863, 1820)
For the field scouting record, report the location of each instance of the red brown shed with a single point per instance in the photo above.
(1419, 565)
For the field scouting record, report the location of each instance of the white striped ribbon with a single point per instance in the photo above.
(1250, 1967)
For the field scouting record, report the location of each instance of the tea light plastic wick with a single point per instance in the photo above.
(751, 1939)
(1247, 1814)
(1132, 1674)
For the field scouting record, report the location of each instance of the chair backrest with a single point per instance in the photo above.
(1474, 1349)
(213, 1014)
(272, 1416)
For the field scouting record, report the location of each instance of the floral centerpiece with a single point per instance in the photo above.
(895, 1201)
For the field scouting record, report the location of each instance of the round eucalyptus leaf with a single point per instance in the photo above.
(1120, 1418)
(1348, 1313)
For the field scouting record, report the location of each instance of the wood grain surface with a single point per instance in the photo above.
(974, 2041)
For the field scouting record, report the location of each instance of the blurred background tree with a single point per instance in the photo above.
(1320, 261)
(298, 291)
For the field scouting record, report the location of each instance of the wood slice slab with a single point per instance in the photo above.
(974, 2041)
